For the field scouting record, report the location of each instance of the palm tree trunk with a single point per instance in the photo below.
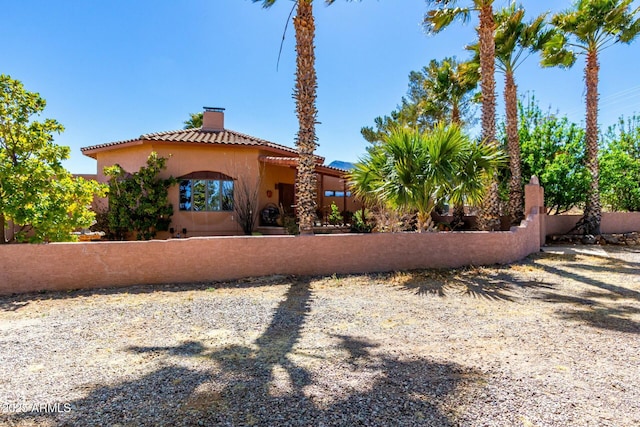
(593, 209)
(305, 96)
(424, 222)
(455, 114)
(516, 194)
(458, 208)
(489, 218)
(458, 216)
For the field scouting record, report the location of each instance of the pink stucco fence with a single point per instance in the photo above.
(62, 266)
(612, 222)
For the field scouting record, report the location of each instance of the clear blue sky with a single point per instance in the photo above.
(114, 70)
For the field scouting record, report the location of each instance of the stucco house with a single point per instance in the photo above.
(209, 162)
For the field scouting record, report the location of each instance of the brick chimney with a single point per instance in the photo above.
(213, 119)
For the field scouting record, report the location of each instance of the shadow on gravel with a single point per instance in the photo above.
(588, 307)
(614, 290)
(263, 385)
(8, 304)
(472, 282)
(15, 302)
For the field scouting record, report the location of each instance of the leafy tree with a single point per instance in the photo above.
(553, 150)
(441, 91)
(36, 193)
(589, 27)
(195, 121)
(435, 21)
(620, 166)
(138, 202)
(411, 171)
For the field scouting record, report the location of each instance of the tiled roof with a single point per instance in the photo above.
(293, 161)
(226, 137)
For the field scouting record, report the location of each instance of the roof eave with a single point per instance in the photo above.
(95, 149)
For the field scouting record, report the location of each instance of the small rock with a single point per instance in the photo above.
(589, 239)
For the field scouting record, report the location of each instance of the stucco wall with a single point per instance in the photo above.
(332, 183)
(235, 161)
(61, 266)
(612, 222)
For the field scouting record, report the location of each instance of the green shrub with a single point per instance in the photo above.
(290, 225)
(335, 217)
(362, 222)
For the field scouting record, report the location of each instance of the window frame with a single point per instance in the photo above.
(209, 183)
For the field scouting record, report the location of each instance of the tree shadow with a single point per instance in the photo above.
(591, 312)
(470, 282)
(624, 267)
(357, 348)
(614, 289)
(153, 399)
(9, 304)
(587, 306)
(14, 302)
(265, 384)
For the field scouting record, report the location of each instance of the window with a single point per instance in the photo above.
(206, 192)
(331, 193)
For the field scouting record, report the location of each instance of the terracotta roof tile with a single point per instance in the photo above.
(293, 161)
(227, 137)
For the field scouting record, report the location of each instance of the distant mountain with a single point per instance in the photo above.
(341, 165)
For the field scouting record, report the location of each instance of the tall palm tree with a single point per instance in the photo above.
(515, 41)
(440, 91)
(435, 21)
(451, 83)
(305, 96)
(587, 28)
(413, 171)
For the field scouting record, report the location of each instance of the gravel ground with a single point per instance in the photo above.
(550, 341)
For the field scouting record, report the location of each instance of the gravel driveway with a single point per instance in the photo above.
(551, 341)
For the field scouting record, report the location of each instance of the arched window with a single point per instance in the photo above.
(206, 191)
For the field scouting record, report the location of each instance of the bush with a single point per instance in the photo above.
(290, 225)
(620, 166)
(362, 222)
(138, 202)
(335, 218)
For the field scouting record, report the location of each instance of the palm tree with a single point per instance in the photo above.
(476, 168)
(435, 21)
(451, 83)
(412, 171)
(589, 27)
(195, 121)
(440, 91)
(515, 41)
(305, 96)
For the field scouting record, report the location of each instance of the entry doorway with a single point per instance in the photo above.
(286, 197)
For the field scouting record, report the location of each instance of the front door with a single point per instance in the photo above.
(286, 197)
